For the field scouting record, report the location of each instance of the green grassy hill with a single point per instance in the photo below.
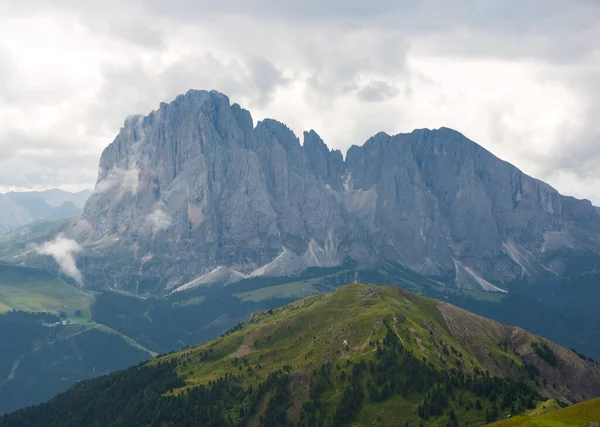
(578, 415)
(34, 290)
(361, 356)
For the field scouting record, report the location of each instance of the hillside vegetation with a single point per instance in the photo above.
(47, 340)
(581, 414)
(363, 355)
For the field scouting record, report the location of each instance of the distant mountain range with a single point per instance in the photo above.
(18, 209)
(196, 187)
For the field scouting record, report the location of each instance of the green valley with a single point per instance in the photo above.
(362, 355)
(48, 340)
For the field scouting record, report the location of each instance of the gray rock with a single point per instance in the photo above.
(194, 186)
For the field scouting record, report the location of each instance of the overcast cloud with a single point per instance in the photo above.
(518, 77)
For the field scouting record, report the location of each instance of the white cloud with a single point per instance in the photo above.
(126, 180)
(158, 220)
(63, 250)
(518, 77)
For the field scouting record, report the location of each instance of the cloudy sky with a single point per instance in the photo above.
(520, 77)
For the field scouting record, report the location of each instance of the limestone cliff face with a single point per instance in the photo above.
(445, 203)
(195, 185)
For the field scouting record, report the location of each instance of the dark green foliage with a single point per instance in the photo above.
(352, 398)
(126, 398)
(135, 397)
(396, 371)
(532, 371)
(162, 325)
(276, 413)
(315, 410)
(583, 356)
(18, 330)
(452, 419)
(545, 352)
(53, 367)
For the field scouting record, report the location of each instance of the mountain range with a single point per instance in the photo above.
(194, 192)
(18, 209)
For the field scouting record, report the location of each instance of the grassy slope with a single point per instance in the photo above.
(340, 326)
(544, 407)
(579, 415)
(33, 290)
(309, 332)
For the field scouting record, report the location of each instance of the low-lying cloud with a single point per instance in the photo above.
(159, 220)
(63, 250)
(127, 181)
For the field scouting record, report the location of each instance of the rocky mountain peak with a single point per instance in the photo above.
(193, 186)
(325, 164)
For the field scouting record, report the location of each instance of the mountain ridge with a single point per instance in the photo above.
(329, 360)
(18, 209)
(196, 176)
